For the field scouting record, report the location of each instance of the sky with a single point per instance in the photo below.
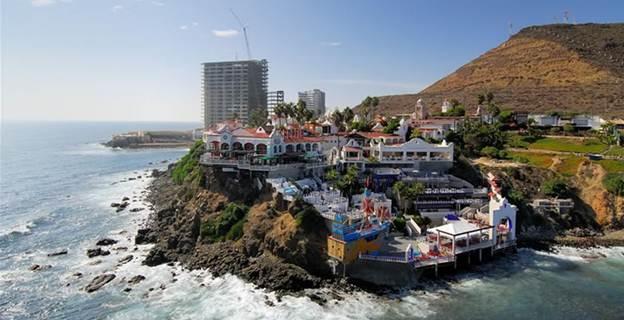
(140, 60)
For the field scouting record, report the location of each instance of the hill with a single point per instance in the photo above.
(576, 68)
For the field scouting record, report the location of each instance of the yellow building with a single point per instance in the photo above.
(348, 252)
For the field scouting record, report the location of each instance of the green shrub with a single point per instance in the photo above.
(188, 166)
(556, 187)
(399, 223)
(309, 218)
(614, 183)
(490, 152)
(228, 225)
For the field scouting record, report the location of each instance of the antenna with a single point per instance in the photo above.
(510, 28)
(244, 27)
(565, 16)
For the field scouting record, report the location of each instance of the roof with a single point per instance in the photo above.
(373, 135)
(354, 149)
(456, 227)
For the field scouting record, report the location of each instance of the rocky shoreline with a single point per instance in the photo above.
(271, 254)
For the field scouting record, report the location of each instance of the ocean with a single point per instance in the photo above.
(56, 186)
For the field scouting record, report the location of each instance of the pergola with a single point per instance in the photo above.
(461, 232)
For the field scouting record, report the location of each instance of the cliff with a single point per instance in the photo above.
(594, 219)
(231, 224)
(560, 67)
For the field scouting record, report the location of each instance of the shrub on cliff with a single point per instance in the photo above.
(188, 166)
(227, 226)
(309, 219)
(556, 187)
(614, 183)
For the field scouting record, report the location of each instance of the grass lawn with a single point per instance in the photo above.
(534, 159)
(612, 166)
(616, 151)
(569, 165)
(569, 145)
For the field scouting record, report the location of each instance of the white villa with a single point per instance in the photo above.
(413, 153)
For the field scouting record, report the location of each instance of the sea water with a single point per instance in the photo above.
(56, 185)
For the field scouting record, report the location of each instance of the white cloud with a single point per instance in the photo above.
(228, 33)
(183, 27)
(117, 7)
(158, 3)
(377, 83)
(331, 43)
(42, 3)
(195, 23)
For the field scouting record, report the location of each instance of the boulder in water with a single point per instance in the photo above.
(58, 253)
(37, 267)
(97, 252)
(105, 242)
(136, 279)
(99, 281)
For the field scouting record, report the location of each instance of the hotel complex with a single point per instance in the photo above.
(233, 89)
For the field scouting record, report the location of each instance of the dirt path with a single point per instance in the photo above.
(497, 163)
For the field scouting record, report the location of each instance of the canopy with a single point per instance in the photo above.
(456, 228)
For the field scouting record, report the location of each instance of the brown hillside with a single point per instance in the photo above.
(577, 68)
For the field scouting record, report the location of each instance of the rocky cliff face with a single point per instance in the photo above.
(274, 252)
(595, 210)
(564, 67)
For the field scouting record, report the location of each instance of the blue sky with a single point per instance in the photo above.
(140, 59)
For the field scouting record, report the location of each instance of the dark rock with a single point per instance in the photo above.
(127, 289)
(58, 253)
(99, 281)
(125, 199)
(126, 259)
(37, 267)
(136, 279)
(105, 242)
(155, 257)
(145, 236)
(97, 252)
(95, 262)
(115, 204)
(121, 249)
(136, 209)
(77, 274)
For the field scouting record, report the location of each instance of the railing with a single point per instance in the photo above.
(385, 258)
(482, 244)
(244, 164)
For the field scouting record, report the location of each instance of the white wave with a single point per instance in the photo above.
(22, 228)
(581, 254)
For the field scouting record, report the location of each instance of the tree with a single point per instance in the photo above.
(367, 106)
(392, 125)
(490, 152)
(614, 183)
(608, 134)
(331, 175)
(257, 118)
(337, 119)
(473, 135)
(349, 183)
(556, 187)
(415, 134)
(568, 128)
(348, 115)
(407, 193)
(301, 112)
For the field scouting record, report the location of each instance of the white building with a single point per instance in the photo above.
(314, 100)
(414, 153)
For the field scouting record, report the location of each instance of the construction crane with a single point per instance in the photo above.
(244, 27)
